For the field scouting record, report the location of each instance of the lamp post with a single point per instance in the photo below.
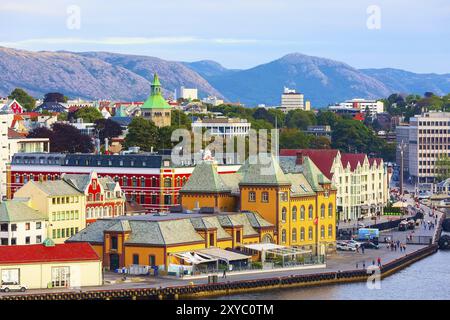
(402, 148)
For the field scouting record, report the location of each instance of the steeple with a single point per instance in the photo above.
(155, 100)
(156, 85)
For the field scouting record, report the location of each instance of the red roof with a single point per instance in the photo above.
(359, 116)
(353, 159)
(36, 253)
(377, 160)
(322, 158)
(13, 134)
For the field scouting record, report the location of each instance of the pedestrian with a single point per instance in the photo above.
(379, 261)
(364, 264)
(395, 247)
(373, 262)
(362, 249)
(357, 265)
(224, 273)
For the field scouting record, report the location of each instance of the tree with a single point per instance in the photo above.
(327, 118)
(300, 119)
(107, 128)
(293, 139)
(142, 133)
(180, 119)
(27, 101)
(319, 142)
(64, 138)
(41, 132)
(88, 114)
(442, 166)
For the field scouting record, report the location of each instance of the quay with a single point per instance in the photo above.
(342, 267)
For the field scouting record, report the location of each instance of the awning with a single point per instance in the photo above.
(263, 246)
(225, 255)
(276, 249)
(194, 257)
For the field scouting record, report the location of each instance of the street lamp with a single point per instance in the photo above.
(402, 148)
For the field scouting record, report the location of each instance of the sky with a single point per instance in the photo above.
(411, 35)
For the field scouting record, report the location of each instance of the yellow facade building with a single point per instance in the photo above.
(63, 205)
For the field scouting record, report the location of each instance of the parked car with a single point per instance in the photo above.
(370, 245)
(354, 243)
(403, 225)
(411, 224)
(345, 247)
(361, 225)
(12, 286)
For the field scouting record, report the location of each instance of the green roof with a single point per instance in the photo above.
(18, 211)
(314, 176)
(262, 170)
(206, 179)
(155, 100)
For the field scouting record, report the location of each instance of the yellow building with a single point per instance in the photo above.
(298, 199)
(161, 239)
(62, 204)
(48, 265)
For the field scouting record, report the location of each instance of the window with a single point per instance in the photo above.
(310, 212)
(294, 235)
(134, 181)
(4, 227)
(322, 211)
(142, 198)
(330, 210)
(283, 236)
(10, 276)
(13, 241)
(238, 236)
(252, 196)
(60, 276)
(4, 241)
(14, 227)
(310, 233)
(167, 182)
(302, 234)
(265, 196)
(151, 260)
(27, 226)
(302, 213)
(27, 240)
(283, 214)
(330, 231)
(114, 242)
(142, 182)
(294, 213)
(135, 258)
(211, 239)
(322, 232)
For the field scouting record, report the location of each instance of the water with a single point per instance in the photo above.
(427, 279)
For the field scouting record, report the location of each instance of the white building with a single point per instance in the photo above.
(188, 93)
(359, 105)
(5, 121)
(292, 100)
(20, 224)
(428, 139)
(223, 126)
(212, 100)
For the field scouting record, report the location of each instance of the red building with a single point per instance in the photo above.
(150, 180)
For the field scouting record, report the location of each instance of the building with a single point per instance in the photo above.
(361, 182)
(41, 266)
(151, 180)
(188, 94)
(319, 131)
(298, 200)
(359, 105)
(5, 121)
(291, 100)
(63, 206)
(223, 126)
(20, 224)
(426, 139)
(53, 102)
(214, 101)
(12, 106)
(161, 239)
(156, 108)
(104, 197)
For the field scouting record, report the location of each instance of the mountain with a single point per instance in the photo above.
(323, 81)
(209, 68)
(92, 75)
(408, 82)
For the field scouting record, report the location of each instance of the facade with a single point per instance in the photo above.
(188, 94)
(319, 131)
(215, 101)
(298, 200)
(20, 224)
(359, 105)
(222, 126)
(291, 100)
(151, 180)
(362, 183)
(63, 206)
(5, 121)
(156, 108)
(156, 240)
(104, 197)
(47, 265)
(428, 139)
(12, 106)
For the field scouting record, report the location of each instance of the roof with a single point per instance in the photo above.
(156, 100)
(262, 170)
(13, 134)
(81, 181)
(56, 188)
(18, 211)
(313, 175)
(205, 178)
(353, 159)
(224, 254)
(322, 158)
(38, 253)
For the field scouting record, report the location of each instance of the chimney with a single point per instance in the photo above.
(299, 160)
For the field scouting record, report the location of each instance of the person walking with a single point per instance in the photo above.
(364, 264)
(224, 273)
(379, 261)
(362, 249)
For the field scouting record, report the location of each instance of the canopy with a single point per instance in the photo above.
(400, 204)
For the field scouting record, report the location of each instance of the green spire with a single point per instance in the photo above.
(155, 100)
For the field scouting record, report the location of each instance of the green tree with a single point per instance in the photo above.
(107, 128)
(88, 114)
(300, 119)
(180, 119)
(27, 101)
(327, 118)
(293, 139)
(319, 142)
(442, 166)
(142, 133)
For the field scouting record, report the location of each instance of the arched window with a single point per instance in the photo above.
(310, 212)
(283, 236)
(322, 211)
(322, 232)
(294, 213)
(330, 231)
(283, 214)
(310, 233)
(184, 181)
(167, 182)
(294, 235)
(330, 210)
(302, 234)
(302, 213)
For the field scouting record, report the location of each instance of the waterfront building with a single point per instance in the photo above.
(20, 224)
(362, 183)
(151, 180)
(46, 265)
(156, 108)
(374, 107)
(188, 94)
(426, 138)
(223, 126)
(63, 206)
(165, 239)
(292, 100)
(299, 200)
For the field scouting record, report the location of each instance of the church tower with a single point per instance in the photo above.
(156, 108)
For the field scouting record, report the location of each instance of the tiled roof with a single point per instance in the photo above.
(13, 134)
(313, 175)
(262, 170)
(18, 211)
(323, 159)
(353, 159)
(39, 253)
(205, 178)
(56, 188)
